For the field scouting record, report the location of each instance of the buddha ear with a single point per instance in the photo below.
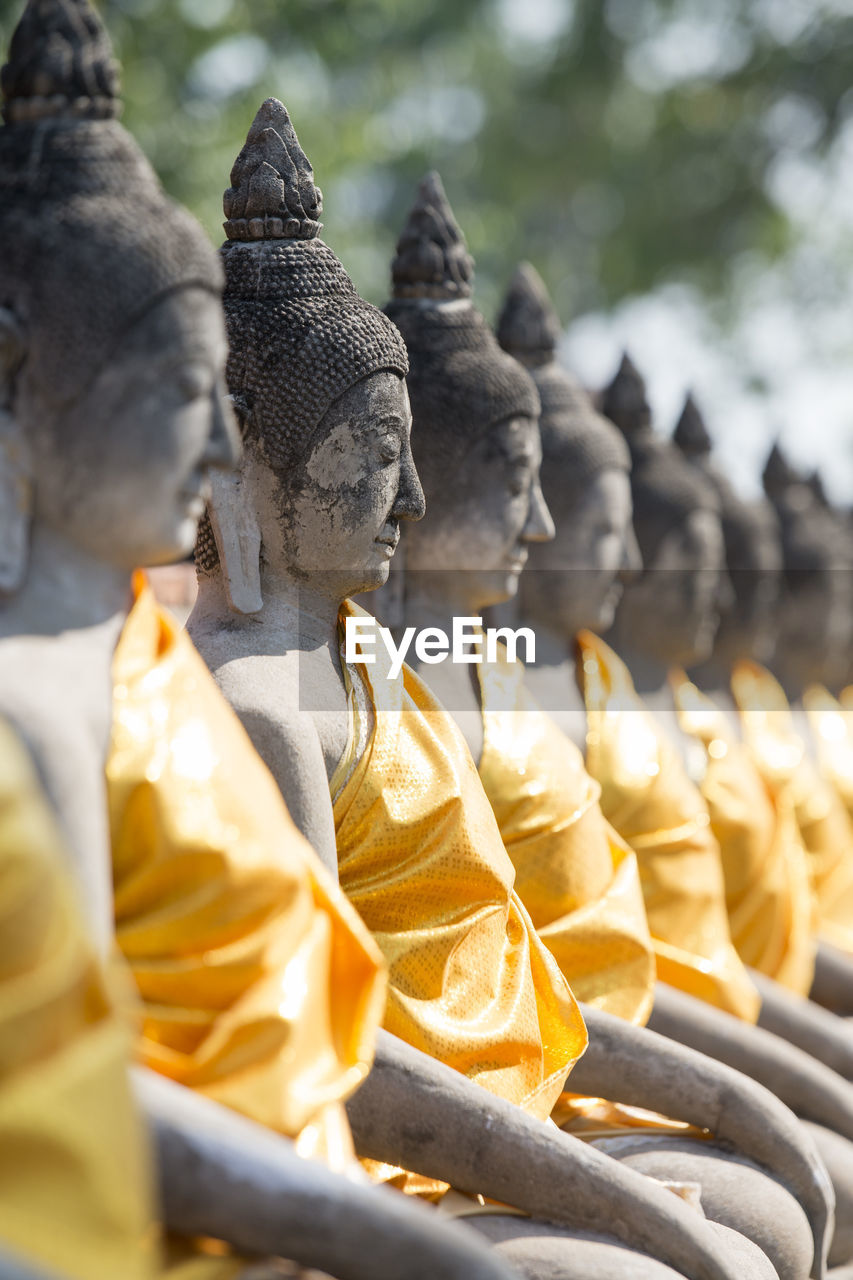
(238, 539)
(16, 475)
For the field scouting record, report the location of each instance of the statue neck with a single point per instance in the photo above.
(793, 675)
(434, 599)
(66, 589)
(436, 595)
(554, 644)
(296, 613)
(714, 676)
(648, 672)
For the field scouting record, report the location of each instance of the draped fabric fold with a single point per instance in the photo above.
(578, 880)
(825, 826)
(768, 892)
(832, 729)
(421, 858)
(261, 988)
(649, 799)
(76, 1187)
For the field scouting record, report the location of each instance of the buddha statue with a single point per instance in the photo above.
(768, 893)
(588, 481)
(813, 614)
(753, 563)
(473, 405)
(79, 208)
(480, 1027)
(113, 412)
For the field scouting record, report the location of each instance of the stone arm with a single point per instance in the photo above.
(633, 1065)
(808, 1087)
(833, 980)
(811, 1089)
(414, 1111)
(222, 1175)
(812, 1028)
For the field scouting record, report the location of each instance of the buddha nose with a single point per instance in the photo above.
(539, 526)
(223, 445)
(410, 503)
(725, 597)
(632, 560)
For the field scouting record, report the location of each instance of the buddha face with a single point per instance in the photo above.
(748, 629)
(671, 613)
(815, 626)
(577, 580)
(121, 474)
(484, 514)
(338, 528)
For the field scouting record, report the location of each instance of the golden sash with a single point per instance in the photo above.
(575, 876)
(262, 989)
(768, 893)
(421, 858)
(647, 796)
(831, 724)
(825, 826)
(75, 1183)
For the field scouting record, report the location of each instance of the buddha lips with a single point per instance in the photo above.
(469, 642)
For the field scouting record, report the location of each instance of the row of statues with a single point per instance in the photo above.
(310, 961)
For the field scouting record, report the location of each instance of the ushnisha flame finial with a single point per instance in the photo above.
(60, 64)
(691, 434)
(432, 259)
(624, 401)
(272, 195)
(528, 326)
(779, 474)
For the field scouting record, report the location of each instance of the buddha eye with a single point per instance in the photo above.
(389, 449)
(193, 382)
(519, 479)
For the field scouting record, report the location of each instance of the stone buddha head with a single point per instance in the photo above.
(671, 612)
(814, 619)
(112, 344)
(475, 409)
(317, 376)
(753, 552)
(577, 579)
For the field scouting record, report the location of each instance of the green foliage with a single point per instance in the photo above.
(616, 143)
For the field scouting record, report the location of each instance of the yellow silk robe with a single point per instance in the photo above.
(576, 877)
(647, 796)
(76, 1191)
(261, 988)
(825, 826)
(768, 892)
(421, 858)
(832, 729)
